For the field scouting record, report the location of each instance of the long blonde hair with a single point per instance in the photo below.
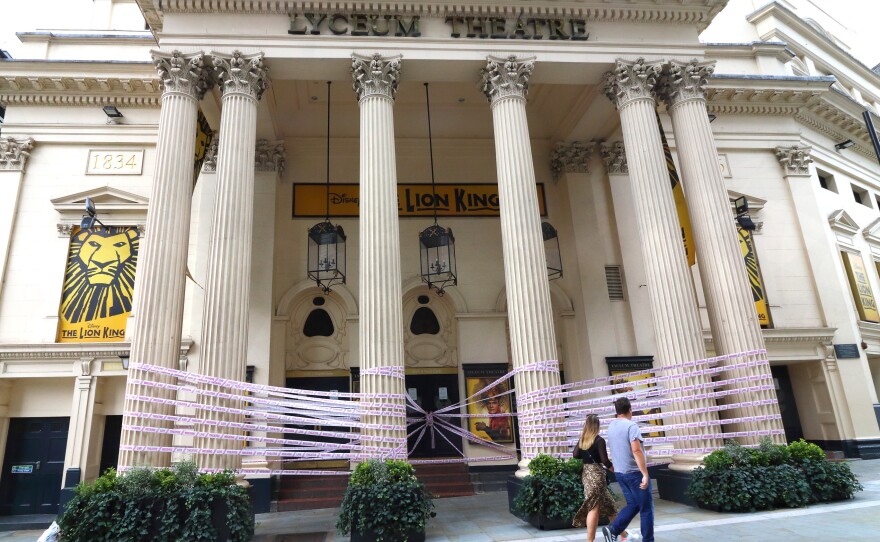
(590, 432)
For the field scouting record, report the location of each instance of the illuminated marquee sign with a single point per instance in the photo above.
(361, 24)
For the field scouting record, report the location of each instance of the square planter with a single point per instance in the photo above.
(370, 536)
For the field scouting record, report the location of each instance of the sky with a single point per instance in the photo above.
(862, 17)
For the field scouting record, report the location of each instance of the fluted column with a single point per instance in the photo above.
(242, 79)
(162, 263)
(505, 83)
(14, 154)
(729, 300)
(673, 305)
(380, 325)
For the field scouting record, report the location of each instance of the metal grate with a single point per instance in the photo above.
(614, 281)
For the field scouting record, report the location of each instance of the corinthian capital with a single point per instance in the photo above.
(570, 158)
(269, 156)
(241, 74)
(14, 153)
(506, 77)
(632, 80)
(183, 73)
(614, 156)
(795, 160)
(686, 81)
(375, 75)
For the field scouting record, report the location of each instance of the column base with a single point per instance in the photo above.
(523, 469)
(686, 462)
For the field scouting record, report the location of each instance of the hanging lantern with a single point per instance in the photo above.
(551, 251)
(437, 256)
(436, 243)
(326, 255)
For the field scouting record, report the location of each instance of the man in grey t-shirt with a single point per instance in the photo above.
(631, 471)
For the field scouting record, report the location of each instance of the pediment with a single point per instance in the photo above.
(841, 222)
(755, 203)
(871, 233)
(107, 199)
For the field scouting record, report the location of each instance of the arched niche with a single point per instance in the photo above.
(430, 342)
(316, 334)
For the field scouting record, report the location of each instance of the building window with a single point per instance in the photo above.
(861, 196)
(318, 324)
(826, 181)
(424, 322)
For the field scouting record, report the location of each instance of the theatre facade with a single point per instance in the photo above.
(620, 195)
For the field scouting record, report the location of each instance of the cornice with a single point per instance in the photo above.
(640, 11)
(70, 351)
(763, 95)
(803, 335)
(48, 83)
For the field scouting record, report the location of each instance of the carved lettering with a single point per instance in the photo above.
(315, 22)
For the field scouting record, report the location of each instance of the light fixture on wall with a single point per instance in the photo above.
(844, 144)
(436, 243)
(91, 216)
(712, 117)
(743, 220)
(113, 114)
(326, 257)
(551, 251)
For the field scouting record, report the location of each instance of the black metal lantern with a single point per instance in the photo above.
(437, 256)
(551, 251)
(326, 257)
(436, 243)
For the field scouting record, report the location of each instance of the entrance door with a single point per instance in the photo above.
(322, 383)
(433, 392)
(791, 421)
(33, 466)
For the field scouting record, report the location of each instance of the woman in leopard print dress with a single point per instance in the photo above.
(597, 498)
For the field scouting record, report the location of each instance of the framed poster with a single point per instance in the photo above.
(498, 429)
(624, 366)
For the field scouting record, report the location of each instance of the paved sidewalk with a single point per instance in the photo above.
(484, 518)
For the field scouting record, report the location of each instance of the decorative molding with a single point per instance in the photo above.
(33, 84)
(871, 233)
(744, 95)
(269, 156)
(614, 156)
(209, 164)
(115, 208)
(632, 81)
(571, 157)
(506, 77)
(375, 75)
(65, 230)
(180, 73)
(841, 222)
(14, 153)
(686, 81)
(795, 160)
(657, 12)
(241, 74)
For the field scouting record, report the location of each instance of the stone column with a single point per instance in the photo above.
(679, 335)
(505, 83)
(82, 412)
(14, 154)
(162, 263)
(729, 300)
(375, 81)
(242, 80)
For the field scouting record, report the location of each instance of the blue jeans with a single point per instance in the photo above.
(638, 501)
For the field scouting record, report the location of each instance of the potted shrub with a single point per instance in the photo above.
(161, 505)
(552, 492)
(739, 479)
(384, 502)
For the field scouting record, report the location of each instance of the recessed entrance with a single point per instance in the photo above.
(433, 392)
(33, 466)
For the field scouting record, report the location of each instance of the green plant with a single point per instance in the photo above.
(385, 499)
(830, 481)
(552, 489)
(162, 505)
(775, 454)
(802, 451)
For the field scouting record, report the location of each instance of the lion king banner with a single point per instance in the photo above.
(98, 284)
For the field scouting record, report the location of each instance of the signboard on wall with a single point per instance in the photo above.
(453, 200)
(622, 366)
(863, 295)
(747, 248)
(98, 284)
(489, 403)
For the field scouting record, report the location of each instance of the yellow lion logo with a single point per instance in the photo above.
(99, 281)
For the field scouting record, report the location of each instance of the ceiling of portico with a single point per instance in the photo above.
(458, 110)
